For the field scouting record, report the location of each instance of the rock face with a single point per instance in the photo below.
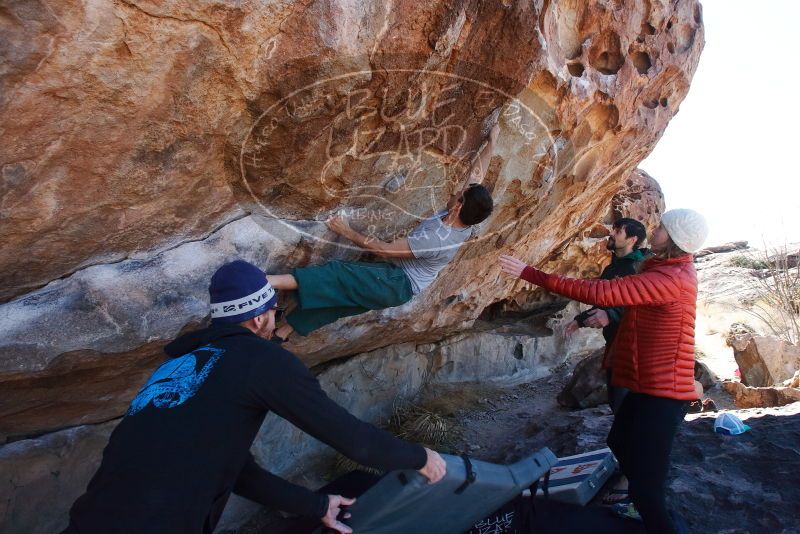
(42, 477)
(764, 360)
(147, 143)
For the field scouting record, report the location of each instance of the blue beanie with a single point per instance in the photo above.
(239, 291)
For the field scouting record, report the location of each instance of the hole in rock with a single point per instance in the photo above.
(648, 29)
(664, 102)
(671, 48)
(575, 69)
(669, 25)
(651, 104)
(641, 60)
(605, 54)
(529, 312)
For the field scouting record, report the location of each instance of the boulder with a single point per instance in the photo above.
(586, 386)
(764, 360)
(760, 397)
(704, 375)
(145, 143)
(727, 247)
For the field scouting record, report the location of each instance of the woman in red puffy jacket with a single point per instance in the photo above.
(653, 353)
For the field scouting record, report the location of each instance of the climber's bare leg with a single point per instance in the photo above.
(282, 281)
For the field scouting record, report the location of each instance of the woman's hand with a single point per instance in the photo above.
(512, 266)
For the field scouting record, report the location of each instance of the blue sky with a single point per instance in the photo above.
(731, 151)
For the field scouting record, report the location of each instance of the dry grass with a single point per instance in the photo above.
(421, 425)
(342, 464)
(428, 421)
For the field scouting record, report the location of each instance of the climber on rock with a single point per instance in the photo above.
(184, 445)
(338, 289)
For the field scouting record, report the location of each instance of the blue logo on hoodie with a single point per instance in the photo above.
(176, 381)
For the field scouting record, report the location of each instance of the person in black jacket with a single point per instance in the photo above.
(627, 235)
(183, 446)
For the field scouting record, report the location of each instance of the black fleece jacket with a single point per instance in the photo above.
(619, 267)
(183, 447)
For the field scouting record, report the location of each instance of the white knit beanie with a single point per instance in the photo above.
(687, 228)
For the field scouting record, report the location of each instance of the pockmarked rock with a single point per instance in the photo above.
(144, 144)
(147, 143)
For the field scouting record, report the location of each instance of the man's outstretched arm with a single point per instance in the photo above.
(398, 248)
(261, 486)
(281, 383)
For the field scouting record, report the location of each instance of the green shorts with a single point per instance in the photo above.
(338, 289)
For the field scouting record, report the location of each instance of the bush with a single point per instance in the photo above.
(748, 262)
(778, 302)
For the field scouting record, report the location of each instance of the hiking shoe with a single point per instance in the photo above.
(626, 510)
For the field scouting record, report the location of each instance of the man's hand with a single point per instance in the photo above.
(597, 319)
(335, 503)
(435, 467)
(571, 328)
(338, 224)
(511, 265)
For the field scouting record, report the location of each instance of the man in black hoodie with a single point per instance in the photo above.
(183, 446)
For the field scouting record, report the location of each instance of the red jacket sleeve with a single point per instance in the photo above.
(650, 287)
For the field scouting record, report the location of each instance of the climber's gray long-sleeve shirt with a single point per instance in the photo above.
(183, 447)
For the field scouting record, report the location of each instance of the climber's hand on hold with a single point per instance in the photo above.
(339, 225)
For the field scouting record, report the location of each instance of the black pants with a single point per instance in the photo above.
(615, 393)
(641, 439)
